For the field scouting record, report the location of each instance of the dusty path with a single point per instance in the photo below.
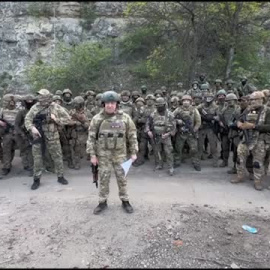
(193, 219)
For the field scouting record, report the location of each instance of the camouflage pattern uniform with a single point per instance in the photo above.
(126, 106)
(194, 90)
(161, 122)
(230, 89)
(188, 121)
(97, 108)
(245, 88)
(107, 139)
(90, 100)
(208, 111)
(8, 113)
(46, 107)
(79, 131)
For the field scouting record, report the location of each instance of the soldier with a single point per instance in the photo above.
(226, 117)
(58, 100)
(49, 115)
(160, 126)
(245, 88)
(180, 87)
(164, 92)
(90, 100)
(140, 118)
(208, 129)
(158, 93)
(135, 94)
(126, 104)
(67, 99)
(230, 88)
(173, 94)
(22, 135)
(194, 89)
(59, 93)
(197, 99)
(202, 80)
(255, 122)
(266, 93)
(218, 85)
(8, 115)
(174, 103)
(144, 91)
(204, 89)
(188, 120)
(79, 131)
(109, 132)
(98, 105)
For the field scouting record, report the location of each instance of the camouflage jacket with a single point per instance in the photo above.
(49, 127)
(112, 135)
(80, 119)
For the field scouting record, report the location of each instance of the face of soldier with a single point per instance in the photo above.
(243, 82)
(125, 98)
(78, 106)
(139, 105)
(197, 101)
(59, 102)
(110, 107)
(44, 101)
(209, 99)
(12, 104)
(231, 103)
(186, 103)
(150, 102)
(195, 86)
(135, 97)
(229, 85)
(67, 97)
(243, 103)
(28, 103)
(221, 98)
(256, 102)
(144, 90)
(218, 85)
(90, 98)
(201, 77)
(174, 103)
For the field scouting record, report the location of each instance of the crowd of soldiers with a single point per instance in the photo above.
(171, 124)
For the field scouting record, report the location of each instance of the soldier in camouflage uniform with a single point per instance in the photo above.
(160, 126)
(188, 122)
(79, 131)
(197, 99)
(126, 104)
(134, 95)
(202, 80)
(22, 135)
(230, 88)
(164, 91)
(139, 119)
(226, 117)
(158, 93)
(245, 88)
(90, 100)
(218, 85)
(180, 87)
(8, 114)
(194, 89)
(204, 89)
(59, 93)
(208, 111)
(109, 132)
(174, 103)
(255, 122)
(98, 105)
(51, 115)
(144, 91)
(58, 100)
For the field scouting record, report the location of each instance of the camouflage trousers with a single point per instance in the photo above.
(105, 164)
(9, 144)
(164, 146)
(259, 153)
(55, 151)
(225, 146)
(192, 142)
(212, 138)
(143, 141)
(78, 148)
(25, 152)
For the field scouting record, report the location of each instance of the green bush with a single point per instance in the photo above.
(76, 68)
(39, 9)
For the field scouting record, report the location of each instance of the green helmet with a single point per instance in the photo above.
(144, 87)
(136, 93)
(163, 88)
(221, 92)
(150, 96)
(218, 81)
(231, 96)
(110, 96)
(230, 81)
(90, 93)
(173, 93)
(58, 92)
(78, 100)
(158, 92)
(125, 93)
(29, 96)
(186, 97)
(57, 97)
(173, 99)
(99, 96)
(67, 91)
(204, 86)
(160, 101)
(8, 97)
(194, 82)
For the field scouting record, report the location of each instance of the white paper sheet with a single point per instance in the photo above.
(126, 166)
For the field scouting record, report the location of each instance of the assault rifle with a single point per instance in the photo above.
(95, 174)
(8, 126)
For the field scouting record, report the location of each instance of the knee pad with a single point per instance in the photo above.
(256, 165)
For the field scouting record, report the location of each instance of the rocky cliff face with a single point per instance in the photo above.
(30, 31)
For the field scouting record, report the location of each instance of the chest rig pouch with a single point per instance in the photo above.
(112, 134)
(160, 123)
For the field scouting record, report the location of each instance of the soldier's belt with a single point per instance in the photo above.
(111, 135)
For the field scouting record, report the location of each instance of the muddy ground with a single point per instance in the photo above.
(192, 219)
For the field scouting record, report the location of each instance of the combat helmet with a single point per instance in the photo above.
(99, 96)
(125, 93)
(204, 86)
(58, 92)
(186, 97)
(221, 92)
(28, 97)
(266, 92)
(110, 96)
(195, 82)
(158, 92)
(173, 99)
(140, 99)
(57, 97)
(256, 95)
(230, 81)
(173, 93)
(143, 87)
(218, 81)
(160, 101)
(67, 91)
(150, 96)
(7, 98)
(231, 96)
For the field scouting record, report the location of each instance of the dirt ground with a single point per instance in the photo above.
(192, 219)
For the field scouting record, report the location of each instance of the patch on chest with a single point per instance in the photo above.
(116, 125)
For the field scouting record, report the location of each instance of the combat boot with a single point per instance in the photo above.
(31, 173)
(77, 166)
(171, 171)
(127, 207)
(62, 180)
(232, 171)
(224, 164)
(197, 167)
(159, 167)
(101, 206)
(5, 171)
(258, 185)
(215, 164)
(138, 163)
(36, 183)
(70, 164)
(251, 176)
(238, 179)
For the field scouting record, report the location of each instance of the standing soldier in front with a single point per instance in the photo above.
(49, 115)
(110, 133)
(160, 126)
(255, 122)
(188, 120)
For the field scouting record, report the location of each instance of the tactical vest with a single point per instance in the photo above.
(186, 115)
(126, 107)
(160, 123)
(9, 115)
(112, 133)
